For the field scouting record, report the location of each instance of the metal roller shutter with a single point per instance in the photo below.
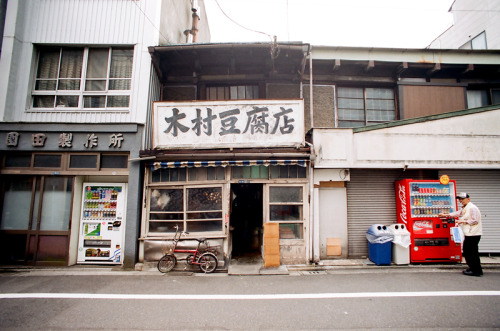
(484, 189)
(371, 200)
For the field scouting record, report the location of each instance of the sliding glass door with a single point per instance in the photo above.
(35, 220)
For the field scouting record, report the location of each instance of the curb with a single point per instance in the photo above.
(323, 266)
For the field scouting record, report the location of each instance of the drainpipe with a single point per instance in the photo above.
(191, 34)
(311, 90)
(312, 203)
(196, 19)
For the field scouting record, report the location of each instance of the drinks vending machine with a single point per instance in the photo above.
(102, 223)
(418, 203)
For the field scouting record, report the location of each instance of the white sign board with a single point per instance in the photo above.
(224, 124)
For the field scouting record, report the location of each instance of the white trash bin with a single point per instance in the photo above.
(400, 243)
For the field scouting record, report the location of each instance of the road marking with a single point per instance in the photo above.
(244, 296)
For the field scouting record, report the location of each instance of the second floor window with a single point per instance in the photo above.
(233, 92)
(83, 78)
(364, 106)
(483, 97)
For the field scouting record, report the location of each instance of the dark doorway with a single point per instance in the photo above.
(246, 219)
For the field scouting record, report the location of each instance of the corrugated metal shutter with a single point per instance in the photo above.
(484, 189)
(371, 200)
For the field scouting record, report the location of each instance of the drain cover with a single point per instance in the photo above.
(313, 272)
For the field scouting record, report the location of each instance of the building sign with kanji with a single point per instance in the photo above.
(219, 124)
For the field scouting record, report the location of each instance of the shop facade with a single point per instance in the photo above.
(424, 150)
(212, 184)
(43, 202)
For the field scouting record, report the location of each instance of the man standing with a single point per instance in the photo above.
(469, 219)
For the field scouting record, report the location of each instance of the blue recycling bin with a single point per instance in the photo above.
(379, 244)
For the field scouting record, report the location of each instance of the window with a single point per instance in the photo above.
(167, 175)
(291, 171)
(232, 92)
(65, 161)
(47, 160)
(286, 206)
(482, 97)
(364, 106)
(109, 161)
(193, 209)
(281, 171)
(478, 42)
(17, 160)
(83, 161)
(83, 77)
(251, 172)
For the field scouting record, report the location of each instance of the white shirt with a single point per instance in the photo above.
(472, 217)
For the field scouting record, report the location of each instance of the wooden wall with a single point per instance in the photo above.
(417, 101)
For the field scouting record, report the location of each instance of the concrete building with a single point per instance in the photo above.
(476, 25)
(76, 85)
(424, 98)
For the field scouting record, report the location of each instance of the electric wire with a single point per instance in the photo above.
(150, 21)
(275, 51)
(229, 18)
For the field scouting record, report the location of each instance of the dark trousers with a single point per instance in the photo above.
(471, 253)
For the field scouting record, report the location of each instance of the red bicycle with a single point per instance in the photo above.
(205, 258)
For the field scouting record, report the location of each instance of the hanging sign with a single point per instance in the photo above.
(444, 179)
(225, 124)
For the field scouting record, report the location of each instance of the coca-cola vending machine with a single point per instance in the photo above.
(418, 203)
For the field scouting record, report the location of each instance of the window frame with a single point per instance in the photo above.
(489, 92)
(227, 92)
(64, 165)
(303, 208)
(365, 98)
(185, 211)
(476, 42)
(82, 93)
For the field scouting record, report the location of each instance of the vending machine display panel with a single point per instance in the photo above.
(102, 222)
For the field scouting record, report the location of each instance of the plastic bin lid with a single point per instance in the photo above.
(377, 229)
(398, 228)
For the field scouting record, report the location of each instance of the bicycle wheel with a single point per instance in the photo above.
(166, 263)
(208, 262)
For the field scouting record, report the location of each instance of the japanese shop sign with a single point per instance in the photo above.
(216, 124)
(64, 140)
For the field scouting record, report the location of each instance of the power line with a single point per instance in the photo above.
(267, 34)
(151, 22)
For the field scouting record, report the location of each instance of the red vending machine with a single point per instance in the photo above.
(418, 203)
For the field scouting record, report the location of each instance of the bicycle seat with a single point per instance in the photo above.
(200, 240)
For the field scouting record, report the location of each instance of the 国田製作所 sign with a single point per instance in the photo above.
(219, 124)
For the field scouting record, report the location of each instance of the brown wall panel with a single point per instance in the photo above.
(430, 100)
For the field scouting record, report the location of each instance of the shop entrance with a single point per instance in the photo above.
(246, 220)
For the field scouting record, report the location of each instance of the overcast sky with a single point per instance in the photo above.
(366, 23)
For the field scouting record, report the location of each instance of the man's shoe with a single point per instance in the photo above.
(470, 273)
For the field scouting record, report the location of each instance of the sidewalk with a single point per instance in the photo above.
(323, 267)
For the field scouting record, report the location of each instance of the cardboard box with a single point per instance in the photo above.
(271, 249)
(271, 260)
(271, 230)
(333, 247)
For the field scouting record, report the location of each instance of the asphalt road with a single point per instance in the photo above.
(336, 299)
